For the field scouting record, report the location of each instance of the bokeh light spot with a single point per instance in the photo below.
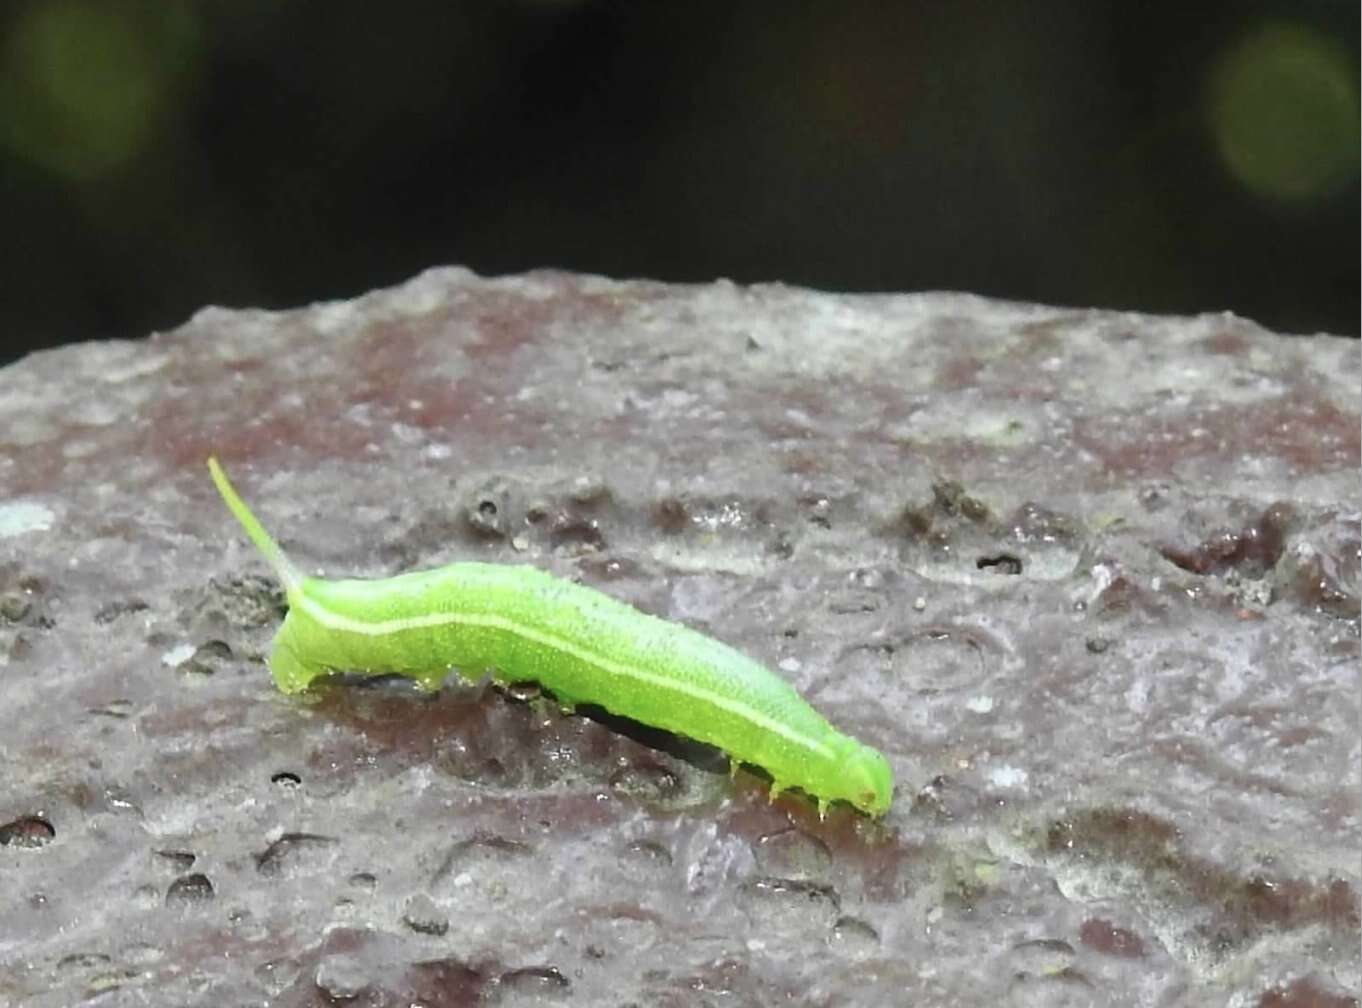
(1283, 109)
(84, 85)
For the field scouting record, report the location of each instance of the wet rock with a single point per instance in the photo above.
(1090, 580)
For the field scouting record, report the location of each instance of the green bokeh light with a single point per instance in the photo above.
(1283, 109)
(85, 85)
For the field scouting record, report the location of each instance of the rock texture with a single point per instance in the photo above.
(1089, 579)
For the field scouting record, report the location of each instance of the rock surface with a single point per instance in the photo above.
(1089, 579)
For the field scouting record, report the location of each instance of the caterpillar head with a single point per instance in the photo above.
(864, 779)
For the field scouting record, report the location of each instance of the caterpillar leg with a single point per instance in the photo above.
(430, 680)
(290, 674)
(566, 704)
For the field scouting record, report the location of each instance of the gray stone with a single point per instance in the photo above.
(1090, 579)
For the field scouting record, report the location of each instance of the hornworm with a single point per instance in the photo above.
(584, 646)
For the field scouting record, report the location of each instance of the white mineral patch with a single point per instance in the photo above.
(1007, 776)
(18, 517)
(178, 655)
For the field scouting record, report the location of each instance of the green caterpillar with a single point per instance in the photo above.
(525, 625)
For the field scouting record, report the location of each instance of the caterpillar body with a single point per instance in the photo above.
(586, 647)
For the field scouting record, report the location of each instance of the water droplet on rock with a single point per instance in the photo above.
(277, 974)
(341, 978)
(480, 851)
(790, 904)
(649, 782)
(27, 831)
(854, 936)
(1061, 989)
(649, 852)
(793, 854)
(643, 860)
(294, 853)
(423, 916)
(538, 981)
(1041, 956)
(189, 889)
(179, 860)
(82, 961)
(523, 691)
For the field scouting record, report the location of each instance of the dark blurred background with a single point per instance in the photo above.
(162, 155)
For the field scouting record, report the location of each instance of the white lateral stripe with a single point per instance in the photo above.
(334, 621)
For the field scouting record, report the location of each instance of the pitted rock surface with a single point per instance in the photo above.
(1089, 579)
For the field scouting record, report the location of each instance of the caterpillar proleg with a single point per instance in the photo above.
(586, 647)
